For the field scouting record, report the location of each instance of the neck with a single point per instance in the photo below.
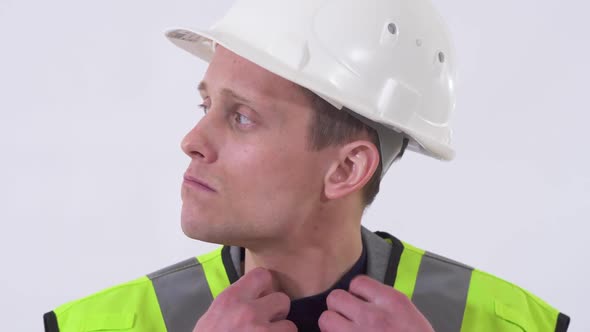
(312, 259)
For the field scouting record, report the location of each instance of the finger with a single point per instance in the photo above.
(283, 326)
(254, 284)
(369, 289)
(346, 304)
(275, 306)
(331, 321)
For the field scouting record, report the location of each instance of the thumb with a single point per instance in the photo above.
(255, 284)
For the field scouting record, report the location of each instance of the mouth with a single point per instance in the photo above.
(197, 183)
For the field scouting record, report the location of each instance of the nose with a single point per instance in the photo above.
(197, 143)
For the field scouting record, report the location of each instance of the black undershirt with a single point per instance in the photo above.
(306, 311)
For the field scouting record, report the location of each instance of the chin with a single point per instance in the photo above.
(194, 226)
(199, 233)
(202, 229)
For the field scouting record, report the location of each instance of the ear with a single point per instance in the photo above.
(356, 163)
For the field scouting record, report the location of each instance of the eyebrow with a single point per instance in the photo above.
(226, 92)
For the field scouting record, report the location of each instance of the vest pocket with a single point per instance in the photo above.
(510, 315)
(108, 322)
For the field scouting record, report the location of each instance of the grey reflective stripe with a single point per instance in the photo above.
(236, 258)
(378, 254)
(441, 291)
(183, 294)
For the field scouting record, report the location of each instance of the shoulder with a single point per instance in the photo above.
(490, 295)
(134, 305)
(114, 308)
(457, 296)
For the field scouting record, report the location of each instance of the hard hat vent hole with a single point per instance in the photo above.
(441, 57)
(392, 28)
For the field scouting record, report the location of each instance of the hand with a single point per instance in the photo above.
(250, 304)
(371, 306)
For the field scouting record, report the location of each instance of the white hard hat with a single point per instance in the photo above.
(388, 61)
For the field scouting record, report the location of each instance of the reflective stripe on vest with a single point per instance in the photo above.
(441, 291)
(457, 298)
(183, 294)
(186, 290)
(436, 285)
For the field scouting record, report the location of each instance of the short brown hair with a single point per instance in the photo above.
(330, 126)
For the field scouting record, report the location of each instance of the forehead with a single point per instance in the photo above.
(228, 70)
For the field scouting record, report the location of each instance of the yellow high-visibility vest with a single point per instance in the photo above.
(452, 296)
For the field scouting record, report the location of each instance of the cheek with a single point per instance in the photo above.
(272, 174)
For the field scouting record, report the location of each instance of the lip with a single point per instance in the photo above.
(195, 182)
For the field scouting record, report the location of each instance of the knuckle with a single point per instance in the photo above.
(398, 298)
(285, 326)
(259, 278)
(361, 282)
(403, 298)
(334, 297)
(258, 328)
(356, 282)
(246, 314)
(282, 300)
(325, 320)
(338, 293)
(290, 326)
(223, 299)
(261, 274)
(391, 298)
(377, 319)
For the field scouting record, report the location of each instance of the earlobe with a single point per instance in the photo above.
(352, 170)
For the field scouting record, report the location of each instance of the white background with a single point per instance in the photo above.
(94, 102)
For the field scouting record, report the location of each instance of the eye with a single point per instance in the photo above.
(242, 119)
(205, 104)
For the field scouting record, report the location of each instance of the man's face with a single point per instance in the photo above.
(261, 181)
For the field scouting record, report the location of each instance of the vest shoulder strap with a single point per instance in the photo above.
(455, 297)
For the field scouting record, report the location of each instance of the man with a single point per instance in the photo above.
(307, 104)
